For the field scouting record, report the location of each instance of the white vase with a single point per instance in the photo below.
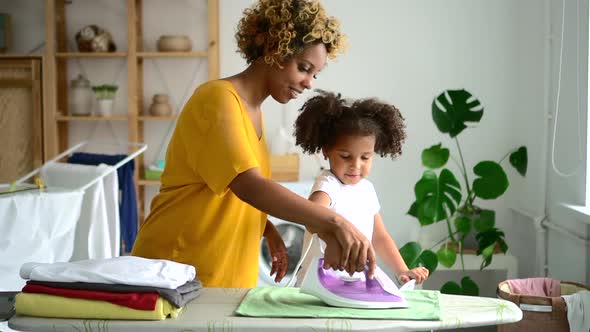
(81, 97)
(104, 107)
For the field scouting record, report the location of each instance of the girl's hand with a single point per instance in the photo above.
(278, 252)
(420, 274)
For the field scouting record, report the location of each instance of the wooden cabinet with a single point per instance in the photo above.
(21, 149)
(60, 53)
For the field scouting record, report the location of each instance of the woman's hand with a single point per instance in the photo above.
(278, 251)
(420, 274)
(348, 249)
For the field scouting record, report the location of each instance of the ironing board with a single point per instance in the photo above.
(214, 311)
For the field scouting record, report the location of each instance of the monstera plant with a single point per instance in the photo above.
(441, 196)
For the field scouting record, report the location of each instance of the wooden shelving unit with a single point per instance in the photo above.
(56, 58)
(91, 55)
(66, 118)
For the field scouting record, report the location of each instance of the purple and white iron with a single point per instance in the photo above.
(341, 290)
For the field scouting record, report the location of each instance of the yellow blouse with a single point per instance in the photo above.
(195, 219)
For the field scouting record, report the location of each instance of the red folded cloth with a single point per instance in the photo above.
(139, 301)
(535, 286)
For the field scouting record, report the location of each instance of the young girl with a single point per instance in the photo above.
(349, 134)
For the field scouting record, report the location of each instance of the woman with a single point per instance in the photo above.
(216, 193)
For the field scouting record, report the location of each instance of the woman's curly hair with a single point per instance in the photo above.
(327, 116)
(278, 29)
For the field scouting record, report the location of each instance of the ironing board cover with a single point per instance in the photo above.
(289, 302)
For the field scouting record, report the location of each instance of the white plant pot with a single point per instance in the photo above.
(104, 107)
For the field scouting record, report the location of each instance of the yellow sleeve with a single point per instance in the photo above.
(215, 133)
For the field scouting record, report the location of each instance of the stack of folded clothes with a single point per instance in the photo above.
(125, 287)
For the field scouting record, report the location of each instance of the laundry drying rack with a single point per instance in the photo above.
(48, 224)
(24, 183)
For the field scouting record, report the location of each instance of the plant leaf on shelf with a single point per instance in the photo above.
(487, 242)
(469, 286)
(456, 108)
(519, 160)
(485, 221)
(446, 256)
(463, 225)
(492, 181)
(413, 255)
(437, 197)
(451, 287)
(435, 156)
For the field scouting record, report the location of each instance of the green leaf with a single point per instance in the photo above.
(487, 241)
(463, 225)
(413, 211)
(446, 256)
(436, 197)
(453, 108)
(451, 287)
(429, 260)
(413, 255)
(410, 252)
(487, 254)
(469, 287)
(489, 237)
(435, 156)
(519, 159)
(492, 181)
(485, 221)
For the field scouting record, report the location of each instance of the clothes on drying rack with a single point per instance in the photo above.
(128, 202)
(36, 226)
(98, 226)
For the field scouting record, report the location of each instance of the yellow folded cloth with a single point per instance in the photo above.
(45, 305)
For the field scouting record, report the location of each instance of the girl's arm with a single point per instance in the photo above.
(386, 248)
(346, 247)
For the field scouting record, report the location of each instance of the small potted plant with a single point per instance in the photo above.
(105, 94)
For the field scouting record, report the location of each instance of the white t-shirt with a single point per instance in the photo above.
(357, 203)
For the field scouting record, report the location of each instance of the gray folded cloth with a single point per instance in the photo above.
(179, 296)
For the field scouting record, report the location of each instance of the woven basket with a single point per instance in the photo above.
(539, 313)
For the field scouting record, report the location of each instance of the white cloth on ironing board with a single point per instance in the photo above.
(578, 311)
(36, 226)
(98, 228)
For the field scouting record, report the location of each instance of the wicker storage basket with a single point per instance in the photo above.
(539, 313)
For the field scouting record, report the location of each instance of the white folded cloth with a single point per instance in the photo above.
(578, 311)
(125, 270)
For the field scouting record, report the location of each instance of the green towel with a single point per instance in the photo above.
(288, 302)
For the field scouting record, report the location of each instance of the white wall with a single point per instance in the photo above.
(568, 260)
(406, 52)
